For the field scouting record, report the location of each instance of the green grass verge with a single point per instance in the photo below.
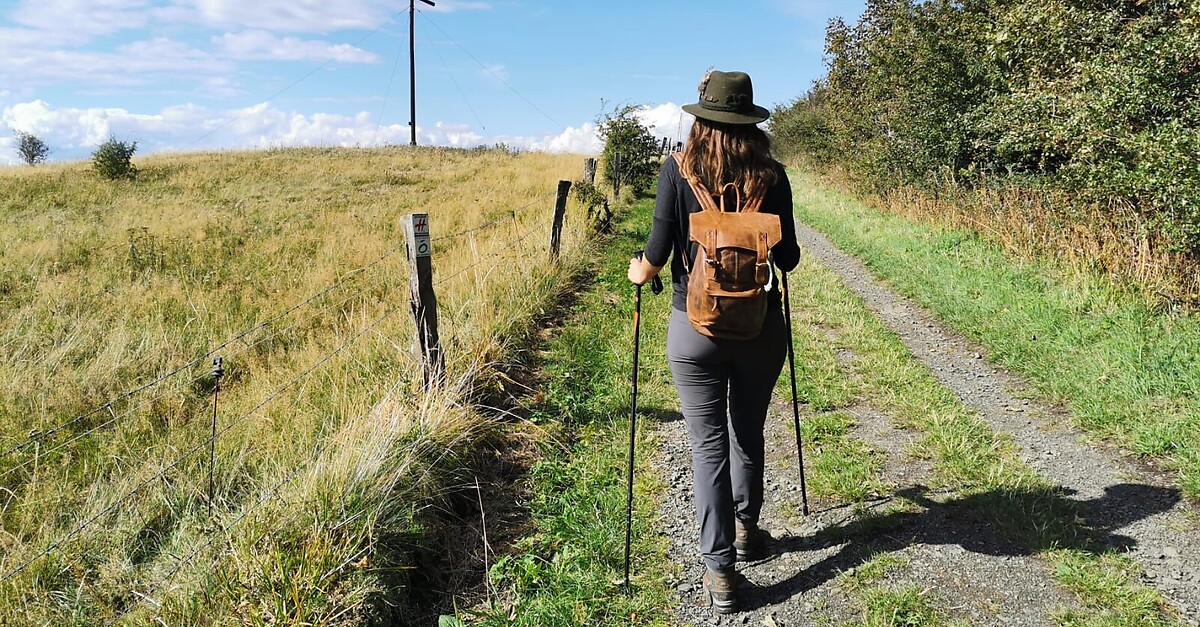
(568, 571)
(1127, 372)
(850, 357)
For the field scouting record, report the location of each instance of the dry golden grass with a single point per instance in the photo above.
(1042, 224)
(326, 445)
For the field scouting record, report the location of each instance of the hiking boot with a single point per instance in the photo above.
(721, 586)
(749, 541)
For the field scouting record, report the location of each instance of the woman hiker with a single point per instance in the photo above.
(724, 384)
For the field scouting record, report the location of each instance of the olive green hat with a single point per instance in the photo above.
(727, 97)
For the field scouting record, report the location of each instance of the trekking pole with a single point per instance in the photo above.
(787, 315)
(656, 286)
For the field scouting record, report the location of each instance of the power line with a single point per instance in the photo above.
(275, 95)
(493, 73)
(388, 92)
(458, 87)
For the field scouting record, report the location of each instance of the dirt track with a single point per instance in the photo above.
(946, 547)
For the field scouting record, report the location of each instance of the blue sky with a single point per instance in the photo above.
(187, 75)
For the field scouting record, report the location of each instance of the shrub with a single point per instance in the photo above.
(31, 148)
(598, 211)
(1098, 100)
(113, 159)
(624, 135)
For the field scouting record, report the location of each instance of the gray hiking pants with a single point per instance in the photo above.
(724, 390)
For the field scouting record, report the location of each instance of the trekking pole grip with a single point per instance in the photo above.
(656, 283)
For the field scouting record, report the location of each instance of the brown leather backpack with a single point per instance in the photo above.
(727, 296)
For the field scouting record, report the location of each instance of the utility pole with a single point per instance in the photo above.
(412, 68)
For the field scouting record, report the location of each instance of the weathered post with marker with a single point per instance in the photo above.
(560, 211)
(421, 297)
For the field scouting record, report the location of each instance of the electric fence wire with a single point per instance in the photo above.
(195, 449)
(283, 524)
(286, 523)
(113, 419)
(129, 411)
(42, 435)
(107, 405)
(510, 215)
(442, 281)
(274, 491)
(491, 72)
(222, 533)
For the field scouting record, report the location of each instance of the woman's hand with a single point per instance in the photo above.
(641, 271)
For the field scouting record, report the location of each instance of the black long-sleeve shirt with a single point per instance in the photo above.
(676, 201)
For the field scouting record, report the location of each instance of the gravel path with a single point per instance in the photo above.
(944, 546)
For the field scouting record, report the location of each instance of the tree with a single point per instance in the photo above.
(626, 136)
(113, 159)
(31, 148)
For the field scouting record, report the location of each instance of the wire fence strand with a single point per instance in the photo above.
(192, 452)
(42, 435)
(108, 405)
(223, 533)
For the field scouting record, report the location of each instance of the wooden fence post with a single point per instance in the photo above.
(589, 170)
(421, 297)
(560, 210)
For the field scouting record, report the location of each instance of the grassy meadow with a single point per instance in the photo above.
(329, 460)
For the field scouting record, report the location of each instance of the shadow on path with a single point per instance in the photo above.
(1003, 522)
(659, 415)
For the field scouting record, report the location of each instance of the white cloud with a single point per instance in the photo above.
(294, 15)
(449, 6)
(127, 65)
(221, 87)
(456, 135)
(80, 20)
(72, 132)
(260, 44)
(314, 16)
(67, 129)
(666, 120)
(579, 140)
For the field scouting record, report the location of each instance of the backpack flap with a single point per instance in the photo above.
(734, 246)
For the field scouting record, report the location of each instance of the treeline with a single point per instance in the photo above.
(1097, 100)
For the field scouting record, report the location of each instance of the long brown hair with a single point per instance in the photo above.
(729, 153)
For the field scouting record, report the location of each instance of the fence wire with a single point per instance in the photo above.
(192, 452)
(162, 475)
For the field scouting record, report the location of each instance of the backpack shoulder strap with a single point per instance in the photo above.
(751, 204)
(704, 196)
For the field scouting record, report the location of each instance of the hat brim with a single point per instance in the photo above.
(728, 117)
